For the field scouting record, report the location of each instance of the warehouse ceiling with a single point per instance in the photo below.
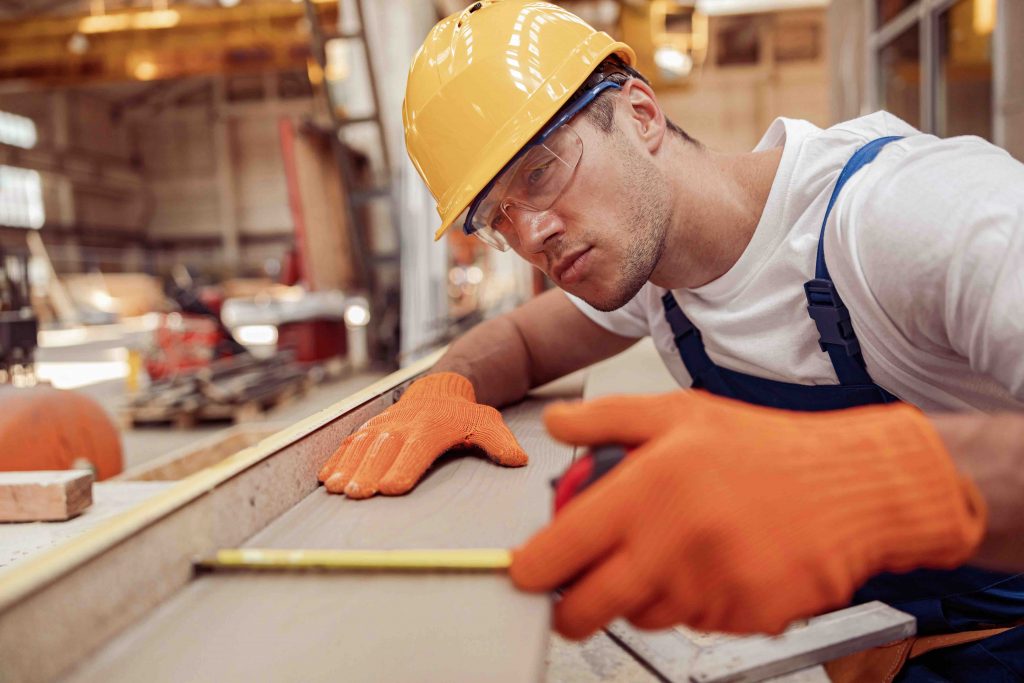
(79, 42)
(20, 9)
(71, 42)
(23, 9)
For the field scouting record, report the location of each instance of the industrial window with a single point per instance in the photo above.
(739, 42)
(797, 40)
(887, 10)
(17, 131)
(899, 77)
(931, 63)
(964, 86)
(21, 198)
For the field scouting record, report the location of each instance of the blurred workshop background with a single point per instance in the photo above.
(207, 215)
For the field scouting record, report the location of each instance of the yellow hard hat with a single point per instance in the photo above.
(485, 81)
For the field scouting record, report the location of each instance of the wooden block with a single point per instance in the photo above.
(50, 496)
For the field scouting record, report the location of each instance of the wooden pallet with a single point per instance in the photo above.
(236, 389)
(194, 410)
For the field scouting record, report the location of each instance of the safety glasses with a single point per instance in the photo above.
(533, 179)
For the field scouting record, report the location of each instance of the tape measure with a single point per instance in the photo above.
(455, 559)
(582, 473)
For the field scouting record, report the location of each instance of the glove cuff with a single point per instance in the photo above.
(441, 385)
(906, 505)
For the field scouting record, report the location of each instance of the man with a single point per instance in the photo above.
(811, 471)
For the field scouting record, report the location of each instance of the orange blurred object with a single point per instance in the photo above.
(42, 428)
(183, 342)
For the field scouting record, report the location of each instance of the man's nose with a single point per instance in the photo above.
(536, 227)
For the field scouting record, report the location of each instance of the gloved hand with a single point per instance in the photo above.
(391, 452)
(732, 517)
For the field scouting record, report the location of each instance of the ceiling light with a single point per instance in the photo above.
(18, 131)
(78, 44)
(673, 62)
(718, 7)
(145, 70)
(106, 23)
(357, 313)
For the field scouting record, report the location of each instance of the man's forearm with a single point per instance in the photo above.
(494, 357)
(990, 450)
(544, 339)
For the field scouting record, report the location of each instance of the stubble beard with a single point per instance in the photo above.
(647, 226)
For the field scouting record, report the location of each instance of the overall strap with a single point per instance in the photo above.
(702, 369)
(824, 305)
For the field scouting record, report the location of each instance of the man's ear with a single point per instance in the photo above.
(646, 119)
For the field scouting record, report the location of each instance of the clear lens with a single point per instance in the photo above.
(492, 238)
(484, 233)
(543, 172)
(561, 151)
(532, 183)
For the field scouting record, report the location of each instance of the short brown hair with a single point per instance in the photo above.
(601, 112)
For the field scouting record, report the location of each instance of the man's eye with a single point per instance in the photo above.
(499, 221)
(537, 174)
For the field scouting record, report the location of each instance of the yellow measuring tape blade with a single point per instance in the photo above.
(272, 558)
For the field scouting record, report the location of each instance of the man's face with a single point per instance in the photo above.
(604, 235)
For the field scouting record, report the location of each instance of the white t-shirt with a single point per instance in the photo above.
(925, 246)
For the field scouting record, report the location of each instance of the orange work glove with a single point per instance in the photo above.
(732, 517)
(391, 452)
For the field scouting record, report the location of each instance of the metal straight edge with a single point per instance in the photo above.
(814, 674)
(822, 639)
(35, 572)
(667, 654)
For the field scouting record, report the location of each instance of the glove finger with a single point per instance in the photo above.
(380, 456)
(413, 460)
(606, 592)
(628, 420)
(497, 440)
(584, 531)
(350, 457)
(658, 614)
(331, 465)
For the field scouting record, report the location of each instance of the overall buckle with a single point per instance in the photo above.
(831, 316)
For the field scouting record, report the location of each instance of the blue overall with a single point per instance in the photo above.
(942, 601)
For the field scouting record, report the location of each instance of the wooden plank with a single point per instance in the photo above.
(119, 571)
(109, 499)
(186, 461)
(49, 496)
(372, 626)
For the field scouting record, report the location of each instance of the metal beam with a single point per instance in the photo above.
(251, 37)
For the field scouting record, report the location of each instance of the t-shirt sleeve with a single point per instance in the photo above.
(941, 244)
(627, 321)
